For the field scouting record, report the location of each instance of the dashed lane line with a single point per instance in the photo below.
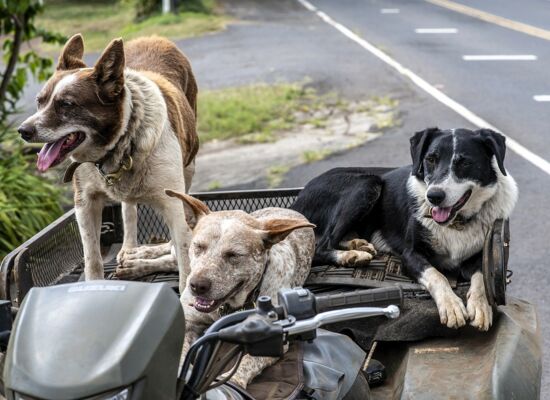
(512, 144)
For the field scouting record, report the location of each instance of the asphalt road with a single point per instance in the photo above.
(280, 40)
(501, 92)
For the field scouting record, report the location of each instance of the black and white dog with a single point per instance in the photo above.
(435, 214)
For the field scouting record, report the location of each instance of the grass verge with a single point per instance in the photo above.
(251, 113)
(102, 20)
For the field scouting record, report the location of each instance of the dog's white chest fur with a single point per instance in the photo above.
(456, 245)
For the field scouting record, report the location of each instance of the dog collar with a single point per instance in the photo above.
(110, 179)
(69, 172)
(250, 303)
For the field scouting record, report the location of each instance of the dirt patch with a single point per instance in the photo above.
(316, 135)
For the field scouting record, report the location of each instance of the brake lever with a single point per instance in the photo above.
(328, 317)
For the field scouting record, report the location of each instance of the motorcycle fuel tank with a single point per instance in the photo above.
(99, 338)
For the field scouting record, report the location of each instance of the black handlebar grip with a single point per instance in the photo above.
(381, 297)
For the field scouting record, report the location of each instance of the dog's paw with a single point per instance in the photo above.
(126, 273)
(360, 245)
(451, 310)
(132, 269)
(479, 311)
(144, 252)
(122, 254)
(354, 258)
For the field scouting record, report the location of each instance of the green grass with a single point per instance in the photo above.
(275, 175)
(310, 156)
(101, 21)
(214, 185)
(251, 113)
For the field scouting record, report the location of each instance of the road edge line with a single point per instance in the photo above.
(493, 19)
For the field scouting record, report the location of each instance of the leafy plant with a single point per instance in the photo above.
(16, 28)
(27, 202)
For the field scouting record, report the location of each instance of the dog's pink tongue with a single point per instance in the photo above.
(48, 154)
(441, 214)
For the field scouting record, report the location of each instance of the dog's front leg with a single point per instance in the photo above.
(129, 219)
(88, 210)
(450, 307)
(479, 310)
(174, 215)
(477, 305)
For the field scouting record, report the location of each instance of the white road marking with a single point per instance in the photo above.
(389, 11)
(500, 57)
(512, 144)
(436, 30)
(542, 97)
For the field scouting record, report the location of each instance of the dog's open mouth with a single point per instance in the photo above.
(53, 153)
(442, 215)
(205, 305)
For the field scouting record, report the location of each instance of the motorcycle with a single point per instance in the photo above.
(121, 340)
(408, 357)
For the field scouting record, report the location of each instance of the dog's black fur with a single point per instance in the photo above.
(357, 202)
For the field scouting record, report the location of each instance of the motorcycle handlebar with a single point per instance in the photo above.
(382, 297)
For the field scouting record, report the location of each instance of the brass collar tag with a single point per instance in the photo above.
(113, 177)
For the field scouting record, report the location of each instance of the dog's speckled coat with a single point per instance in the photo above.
(234, 252)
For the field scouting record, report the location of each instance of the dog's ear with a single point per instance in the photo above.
(109, 71)
(275, 230)
(419, 145)
(71, 55)
(495, 143)
(198, 207)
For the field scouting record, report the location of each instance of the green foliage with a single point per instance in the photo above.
(147, 8)
(17, 27)
(27, 202)
(101, 21)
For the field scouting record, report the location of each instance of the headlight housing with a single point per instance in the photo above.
(118, 394)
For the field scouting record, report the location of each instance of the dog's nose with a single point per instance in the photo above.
(200, 286)
(27, 132)
(436, 196)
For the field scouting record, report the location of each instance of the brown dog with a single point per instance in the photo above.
(236, 257)
(129, 122)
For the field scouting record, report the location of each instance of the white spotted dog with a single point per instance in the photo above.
(236, 257)
(128, 125)
(434, 214)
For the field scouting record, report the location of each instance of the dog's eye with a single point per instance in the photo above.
(431, 160)
(230, 255)
(462, 162)
(64, 103)
(40, 100)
